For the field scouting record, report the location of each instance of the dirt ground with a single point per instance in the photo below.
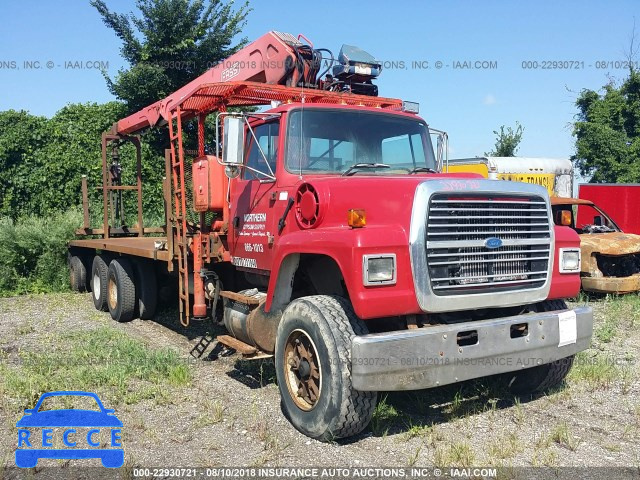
(227, 412)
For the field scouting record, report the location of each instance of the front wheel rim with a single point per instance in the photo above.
(303, 373)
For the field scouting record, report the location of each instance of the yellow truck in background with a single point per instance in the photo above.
(555, 174)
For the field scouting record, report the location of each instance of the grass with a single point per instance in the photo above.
(625, 309)
(273, 446)
(458, 454)
(506, 446)
(212, 412)
(606, 331)
(628, 376)
(622, 313)
(384, 417)
(597, 371)
(519, 414)
(25, 329)
(547, 458)
(413, 458)
(563, 437)
(104, 360)
(416, 431)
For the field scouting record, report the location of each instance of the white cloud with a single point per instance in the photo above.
(489, 99)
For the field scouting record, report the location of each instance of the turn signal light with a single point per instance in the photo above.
(565, 218)
(357, 218)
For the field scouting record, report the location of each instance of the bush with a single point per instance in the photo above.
(33, 253)
(42, 161)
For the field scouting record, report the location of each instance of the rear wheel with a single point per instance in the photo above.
(543, 377)
(99, 271)
(313, 368)
(146, 288)
(121, 290)
(78, 274)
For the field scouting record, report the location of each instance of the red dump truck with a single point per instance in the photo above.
(322, 233)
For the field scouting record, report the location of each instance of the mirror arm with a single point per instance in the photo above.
(270, 177)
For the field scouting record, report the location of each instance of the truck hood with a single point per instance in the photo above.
(387, 200)
(614, 243)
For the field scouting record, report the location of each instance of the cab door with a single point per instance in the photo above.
(253, 222)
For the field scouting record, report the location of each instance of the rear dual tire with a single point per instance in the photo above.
(80, 281)
(121, 290)
(99, 270)
(127, 288)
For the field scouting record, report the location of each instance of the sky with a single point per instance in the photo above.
(505, 43)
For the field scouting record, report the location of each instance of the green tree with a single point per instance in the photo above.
(21, 137)
(42, 160)
(169, 44)
(507, 141)
(607, 131)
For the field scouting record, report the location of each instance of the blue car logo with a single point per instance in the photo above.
(80, 432)
(493, 242)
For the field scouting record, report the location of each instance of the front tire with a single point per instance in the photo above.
(543, 377)
(121, 290)
(313, 368)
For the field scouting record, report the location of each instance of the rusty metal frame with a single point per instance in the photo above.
(86, 224)
(107, 187)
(119, 233)
(166, 191)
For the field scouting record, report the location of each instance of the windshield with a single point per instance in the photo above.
(332, 141)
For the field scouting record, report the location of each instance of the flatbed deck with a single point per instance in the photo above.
(146, 247)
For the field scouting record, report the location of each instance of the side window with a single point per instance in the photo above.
(267, 135)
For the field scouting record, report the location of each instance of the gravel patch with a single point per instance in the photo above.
(230, 414)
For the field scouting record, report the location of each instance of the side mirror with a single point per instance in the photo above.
(233, 142)
(597, 220)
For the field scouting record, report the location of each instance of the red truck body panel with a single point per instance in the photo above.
(620, 201)
(563, 285)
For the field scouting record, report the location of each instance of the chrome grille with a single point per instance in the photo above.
(458, 260)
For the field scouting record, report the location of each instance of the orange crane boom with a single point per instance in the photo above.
(275, 59)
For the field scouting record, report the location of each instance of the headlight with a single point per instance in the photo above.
(569, 260)
(379, 269)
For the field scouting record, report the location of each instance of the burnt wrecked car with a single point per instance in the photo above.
(610, 257)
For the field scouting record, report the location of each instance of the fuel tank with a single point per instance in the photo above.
(250, 323)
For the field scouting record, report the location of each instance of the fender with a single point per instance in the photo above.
(564, 285)
(346, 246)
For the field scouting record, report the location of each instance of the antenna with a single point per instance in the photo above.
(302, 99)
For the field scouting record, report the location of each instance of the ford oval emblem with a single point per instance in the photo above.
(493, 242)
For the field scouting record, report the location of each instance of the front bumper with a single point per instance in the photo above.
(612, 284)
(431, 356)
